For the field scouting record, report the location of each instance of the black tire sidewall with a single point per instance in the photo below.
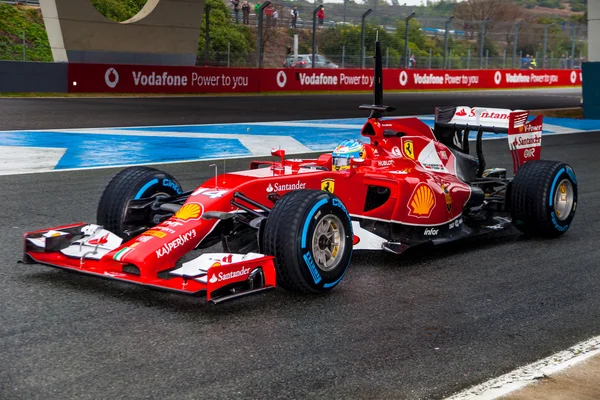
(319, 208)
(133, 183)
(564, 172)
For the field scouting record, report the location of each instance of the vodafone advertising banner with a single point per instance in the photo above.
(101, 78)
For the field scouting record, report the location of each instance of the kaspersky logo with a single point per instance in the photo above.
(111, 77)
(222, 276)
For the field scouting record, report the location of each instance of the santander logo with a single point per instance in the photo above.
(461, 113)
(111, 77)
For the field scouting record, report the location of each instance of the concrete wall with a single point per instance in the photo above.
(164, 32)
(18, 76)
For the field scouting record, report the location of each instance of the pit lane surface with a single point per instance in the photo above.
(421, 325)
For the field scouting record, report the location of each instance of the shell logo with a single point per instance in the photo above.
(189, 211)
(422, 201)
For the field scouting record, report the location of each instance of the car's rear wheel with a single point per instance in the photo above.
(133, 183)
(309, 232)
(543, 198)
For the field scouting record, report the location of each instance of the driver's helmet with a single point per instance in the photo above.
(346, 150)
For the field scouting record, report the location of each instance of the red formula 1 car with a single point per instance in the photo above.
(295, 223)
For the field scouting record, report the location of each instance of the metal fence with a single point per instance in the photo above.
(22, 2)
(434, 41)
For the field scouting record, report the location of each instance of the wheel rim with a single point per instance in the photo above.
(563, 199)
(328, 242)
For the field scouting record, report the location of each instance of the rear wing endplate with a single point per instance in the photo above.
(524, 138)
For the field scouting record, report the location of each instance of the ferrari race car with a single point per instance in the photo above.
(295, 223)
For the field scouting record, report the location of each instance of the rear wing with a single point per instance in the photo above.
(453, 125)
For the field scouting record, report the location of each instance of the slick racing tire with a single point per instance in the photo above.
(543, 198)
(132, 183)
(309, 232)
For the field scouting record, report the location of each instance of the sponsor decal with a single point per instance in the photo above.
(328, 185)
(422, 201)
(403, 78)
(284, 187)
(431, 232)
(461, 113)
(175, 243)
(447, 197)
(400, 172)
(190, 211)
(170, 223)
(498, 77)
(428, 79)
(144, 239)
(573, 76)
(396, 151)
(429, 159)
(444, 155)
(385, 163)
(225, 276)
(155, 233)
(211, 193)
(169, 183)
(456, 223)
(312, 267)
(317, 79)
(517, 78)
(524, 140)
(355, 240)
(281, 79)
(111, 78)
(409, 149)
(100, 240)
(164, 79)
(165, 229)
(529, 153)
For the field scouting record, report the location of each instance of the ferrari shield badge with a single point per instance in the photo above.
(328, 185)
(409, 150)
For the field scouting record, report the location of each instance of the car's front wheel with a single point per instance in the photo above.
(133, 183)
(309, 232)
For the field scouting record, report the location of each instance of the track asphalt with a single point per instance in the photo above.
(422, 325)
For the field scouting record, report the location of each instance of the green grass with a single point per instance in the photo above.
(14, 21)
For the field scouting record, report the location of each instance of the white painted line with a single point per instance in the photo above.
(17, 159)
(529, 374)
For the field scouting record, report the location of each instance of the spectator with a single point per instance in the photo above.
(275, 17)
(569, 63)
(525, 62)
(256, 9)
(532, 63)
(246, 12)
(321, 16)
(236, 10)
(412, 62)
(294, 16)
(269, 14)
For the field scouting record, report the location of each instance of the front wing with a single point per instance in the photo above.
(88, 249)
